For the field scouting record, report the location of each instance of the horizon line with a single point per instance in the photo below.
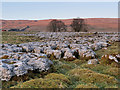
(59, 18)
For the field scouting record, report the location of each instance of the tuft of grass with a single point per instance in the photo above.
(112, 71)
(86, 86)
(63, 66)
(78, 62)
(104, 69)
(88, 76)
(41, 83)
(60, 77)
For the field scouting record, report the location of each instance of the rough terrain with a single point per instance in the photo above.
(75, 55)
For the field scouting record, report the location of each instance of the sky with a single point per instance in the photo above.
(58, 10)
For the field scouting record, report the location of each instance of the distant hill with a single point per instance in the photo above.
(94, 24)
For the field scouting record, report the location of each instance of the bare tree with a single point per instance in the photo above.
(78, 25)
(56, 26)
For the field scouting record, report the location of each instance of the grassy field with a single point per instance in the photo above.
(66, 74)
(13, 38)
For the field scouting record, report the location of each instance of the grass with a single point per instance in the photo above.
(41, 83)
(105, 69)
(60, 77)
(88, 76)
(86, 86)
(13, 38)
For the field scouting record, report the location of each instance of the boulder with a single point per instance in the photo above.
(41, 64)
(93, 61)
(28, 48)
(38, 49)
(68, 55)
(20, 68)
(57, 54)
(113, 58)
(6, 71)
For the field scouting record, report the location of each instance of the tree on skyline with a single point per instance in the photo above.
(79, 25)
(56, 26)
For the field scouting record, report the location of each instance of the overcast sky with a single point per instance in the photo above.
(62, 10)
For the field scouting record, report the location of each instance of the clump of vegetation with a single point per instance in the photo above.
(104, 69)
(8, 84)
(113, 71)
(86, 86)
(106, 61)
(5, 57)
(78, 62)
(42, 83)
(66, 66)
(60, 77)
(88, 76)
(63, 66)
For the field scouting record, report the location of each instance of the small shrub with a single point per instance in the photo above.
(60, 77)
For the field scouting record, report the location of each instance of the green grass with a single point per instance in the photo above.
(14, 38)
(41, 83)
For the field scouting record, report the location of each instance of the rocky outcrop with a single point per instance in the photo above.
(18, 59)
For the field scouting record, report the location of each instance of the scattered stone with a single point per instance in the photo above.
(93, 61)
(17, 59)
